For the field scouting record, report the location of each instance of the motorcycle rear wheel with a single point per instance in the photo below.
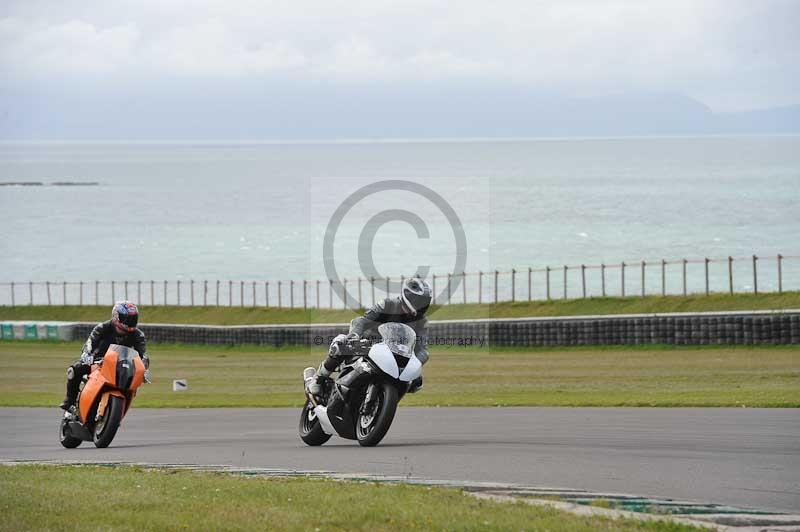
(67, 439)
(106, 428)
(371, 428)
(310, 429)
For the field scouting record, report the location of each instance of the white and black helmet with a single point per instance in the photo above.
(416, 295)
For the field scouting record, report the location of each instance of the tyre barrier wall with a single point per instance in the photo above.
(746, 328)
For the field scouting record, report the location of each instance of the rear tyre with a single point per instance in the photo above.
(310, 429)
(65, 436)
(106, 428)
(372, 426)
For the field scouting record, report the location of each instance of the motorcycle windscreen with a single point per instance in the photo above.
(129, 369)
(399, 338)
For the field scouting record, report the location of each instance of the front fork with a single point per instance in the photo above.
(369, 399)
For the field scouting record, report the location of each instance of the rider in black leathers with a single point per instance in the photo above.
(121, 329)
(409, 308)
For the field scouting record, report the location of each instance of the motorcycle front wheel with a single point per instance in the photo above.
(106, 428)
(310, 429)
(374, 421)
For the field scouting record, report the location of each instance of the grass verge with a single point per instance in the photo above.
(128, 498)
(570, 307)
(256, 376)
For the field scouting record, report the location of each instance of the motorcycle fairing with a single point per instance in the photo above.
(382, 356)
(412, 370)
(89, 394)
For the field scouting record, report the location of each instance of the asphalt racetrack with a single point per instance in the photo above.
(743, 457)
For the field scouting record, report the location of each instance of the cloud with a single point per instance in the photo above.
(711, 49)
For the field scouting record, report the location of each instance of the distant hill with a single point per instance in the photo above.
(319, 111)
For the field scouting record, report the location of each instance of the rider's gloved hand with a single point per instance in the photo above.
(87, 359)
(147, 375)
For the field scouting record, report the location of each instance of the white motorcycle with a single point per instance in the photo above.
(361, 402)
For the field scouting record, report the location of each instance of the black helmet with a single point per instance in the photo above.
(125, 317)
(416, 295)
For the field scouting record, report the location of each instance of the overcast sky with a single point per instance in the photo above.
(730, 55)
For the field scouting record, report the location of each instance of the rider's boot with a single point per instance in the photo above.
(73, 384)
(316, 383)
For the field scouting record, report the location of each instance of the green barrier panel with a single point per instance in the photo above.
(7, 331)
(30, 332)
(52, 332)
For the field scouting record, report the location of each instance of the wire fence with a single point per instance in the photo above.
(752, 274)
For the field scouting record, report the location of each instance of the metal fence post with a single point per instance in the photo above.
(780, 274)
(496, 273)
(464, 286)
(372, 288)
(80, 292)
(387, 286)
(126, 290)
(165, 293)
(205, 292)
(663, 277)
(547, 277)
(97, 293)
(622, 281)
(359, 293)
(330, 293)
(449, 289)
(217, 292)
(643, 278)
(706, 270)
(684, 276)
(480, 287)
(230, 293)
(433, 298)
(152, 293)
(319, 305)
(280, 297)
(755, 275)
(603, 279)
(113, 292)
(30, 292)
(565, 281)
(266, 293)
(139, 292)
(344, 292)
(64, 293)
(254, 295)
(12, 294)
(48, 292)
(178, 283)
(530, 283)
(583, 281)
(730, 275)
(305, 302)
(513, 285)
(291, 293)
(191, 292)
(241, 293)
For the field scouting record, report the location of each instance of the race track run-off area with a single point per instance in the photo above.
(742, 457)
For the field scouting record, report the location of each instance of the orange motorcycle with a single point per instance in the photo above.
(105, 397)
